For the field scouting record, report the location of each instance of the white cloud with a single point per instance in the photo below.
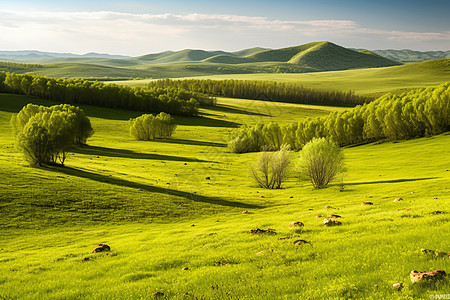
(128, 33)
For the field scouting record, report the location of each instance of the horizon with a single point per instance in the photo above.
(140, 27)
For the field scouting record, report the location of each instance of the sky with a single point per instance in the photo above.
(138, 27)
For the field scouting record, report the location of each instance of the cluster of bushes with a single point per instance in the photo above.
(412, 114)
(320, 162)
(148, 127)
(45, 134)
(264, 90)
(78, 91)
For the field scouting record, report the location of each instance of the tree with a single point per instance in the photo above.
(45, 134)
(271, 168)
(321, 161)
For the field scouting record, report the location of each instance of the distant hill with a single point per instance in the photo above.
(311, 57)
(36, 56)
(407, 55)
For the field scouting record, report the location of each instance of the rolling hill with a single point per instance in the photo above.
(312, 57)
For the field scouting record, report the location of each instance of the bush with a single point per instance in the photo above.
(271, 168)
(148, 127)
(321, 161)
(45, 134)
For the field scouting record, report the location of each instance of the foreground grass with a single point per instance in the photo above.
(115, 191)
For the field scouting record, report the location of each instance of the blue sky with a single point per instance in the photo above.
(139, 27)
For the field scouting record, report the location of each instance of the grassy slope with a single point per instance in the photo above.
(312, 57)
(363, 81)
(115, 191)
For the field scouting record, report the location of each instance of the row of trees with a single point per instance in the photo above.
(264, 90)
(78, 91)
(148, 127)
(13, 66)
(45, 134)
(412, 114)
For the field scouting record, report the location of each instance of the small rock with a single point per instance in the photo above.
(192, 225)
(398, 286)
(185, 269)
(432, 275)
(291, 197)
(245, 212)
(185, 294)
(335, 216)
(296, 224)
(330, 222)
(319, 216)
(366, 203)
(397, 199)
(158, 294)
(168, 183)
(329, 207)
(301, 242)
(85, 258)
(208, 178)
(185, 164)
(262, 231)
(101, 248)
(260, 253)
(375, 285)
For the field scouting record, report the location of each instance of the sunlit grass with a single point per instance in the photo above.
(151, 202)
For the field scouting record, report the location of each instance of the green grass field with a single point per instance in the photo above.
(374, 81)
(153, 204)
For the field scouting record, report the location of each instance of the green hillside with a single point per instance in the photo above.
(330, 57)
(171, 211)
(371, 81)
(312, 57)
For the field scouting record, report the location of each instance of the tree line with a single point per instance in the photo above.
(13, 66)
(78, 91)
(45, 134)
(264, 90)
(410, 114)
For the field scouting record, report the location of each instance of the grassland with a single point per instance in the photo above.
(153, 204)
(374, 81)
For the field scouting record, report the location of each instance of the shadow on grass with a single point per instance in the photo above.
(390, 181)
(203, 121)
(191, 142)
(228, 109)
(111, 152)
(149, 188)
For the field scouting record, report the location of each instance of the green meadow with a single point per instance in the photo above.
(371, 81)
(172, 210)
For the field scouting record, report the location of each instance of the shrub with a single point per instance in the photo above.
(45, 134)
(148, 127)
(321, 161)
(271, 168)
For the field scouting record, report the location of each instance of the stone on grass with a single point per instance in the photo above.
(158, 294)
(101, 248)
(432, 275)
(366, 203)
(296, 224)
(398, 286)
(262, 231)
(397, 199)
(335, 216)
(245, 212)
(301, 242)
(331, 222)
